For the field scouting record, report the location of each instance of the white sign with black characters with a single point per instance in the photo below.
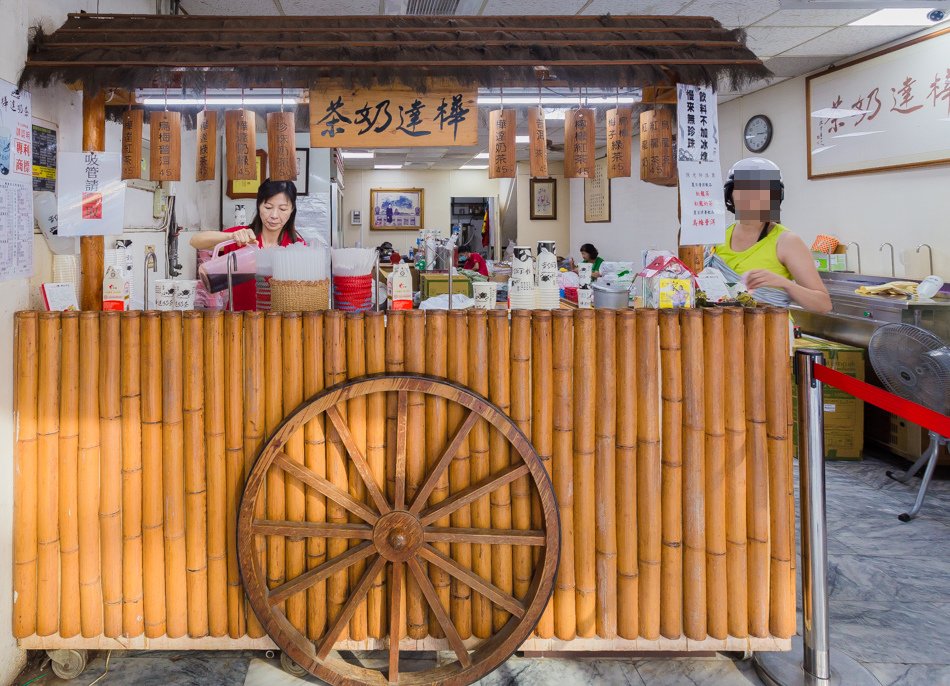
(697, 124)
(16, 183)
(91, 194)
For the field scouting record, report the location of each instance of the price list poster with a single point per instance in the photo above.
(16, 183)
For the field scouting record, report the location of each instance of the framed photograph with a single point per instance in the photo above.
(597, 194)
(248, 189)
(889, 110)
(303, 165)
(543, 196)
(399, 209)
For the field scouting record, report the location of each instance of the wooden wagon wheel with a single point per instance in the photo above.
(399, 533)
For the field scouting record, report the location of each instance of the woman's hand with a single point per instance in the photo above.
(763, 278)
(243, 237)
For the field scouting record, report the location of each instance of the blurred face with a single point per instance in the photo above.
(586, 256)
(275, 211)
(756, 202)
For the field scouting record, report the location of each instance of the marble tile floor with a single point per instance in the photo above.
(889, 603)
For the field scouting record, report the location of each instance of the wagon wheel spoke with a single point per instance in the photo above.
(401, 429)
(432, 597)
(472, 493)
(487, 589)
(298, 530)
(438, 534)
(359, 461)
(443, 462)
(395, 621)
(349, 607)
(280, 593)
(324, 487)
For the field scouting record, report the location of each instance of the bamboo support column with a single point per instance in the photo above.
(295, 497)
(459, 470)
(649, 521)
(521, 415)
(565, 606)
(499, 392)
(276, 479)
(47, 470)
(542, 430)
(585, 507)
(153, 555)
(196, 501)
(790, 483)
(92, 248)
(395, 362)
(215, 474)
(757, 471)
(694, 477)
(234, 427)
(315, 458)
(69, 624)
(24, 476)
(671, 561)
(417, 615)
(480, 468)
(735, 464)
(356, 420)
(254, 434)
(605, 427)
(110, 473)
(376, 605)
(715, 450)
(781, 597)
(626, 461)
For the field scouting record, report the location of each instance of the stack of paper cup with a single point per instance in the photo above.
(522, 267)
(585, 297)
(583, 273)
(521, 294)
(485, 294)
(548, 293)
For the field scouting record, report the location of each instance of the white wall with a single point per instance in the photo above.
(558, 230)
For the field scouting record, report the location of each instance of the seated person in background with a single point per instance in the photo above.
(387, 255)
(475, 263)
(591, 256)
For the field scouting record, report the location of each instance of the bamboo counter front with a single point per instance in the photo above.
(669, 460)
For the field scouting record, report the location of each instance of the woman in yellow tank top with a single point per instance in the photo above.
(759, 249)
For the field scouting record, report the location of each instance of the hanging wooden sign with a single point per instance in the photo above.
(165, 153)
(619, 141)
(537, 143)
(207, 146)
(393, 117)
(579, 143)
(132, 144)
(241, 141)
(501, 144)
(657, 147)
(281, 148)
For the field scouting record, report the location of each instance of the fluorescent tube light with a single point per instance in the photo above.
(522, 139)
(217, 101)
(387, 166)
(836, 113)
(474, 166)
(858, 133)
(556, 100)
(905, 16)
(358, 155)
(481, 156)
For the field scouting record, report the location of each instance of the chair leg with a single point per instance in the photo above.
(904, 477)
(930, 456)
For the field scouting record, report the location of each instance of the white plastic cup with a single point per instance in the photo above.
(185, 291)
(165, 290)
(485, 293)
(585, 298)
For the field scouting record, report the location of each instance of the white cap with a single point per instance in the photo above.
(755, 168)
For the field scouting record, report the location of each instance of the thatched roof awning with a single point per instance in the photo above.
(195, 52)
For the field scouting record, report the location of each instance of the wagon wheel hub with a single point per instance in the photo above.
(398, 536)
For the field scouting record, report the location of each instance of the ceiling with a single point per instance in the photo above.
(790, 42)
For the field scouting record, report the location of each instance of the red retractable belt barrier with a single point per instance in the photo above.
(911, 411)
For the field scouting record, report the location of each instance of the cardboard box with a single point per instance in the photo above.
(438, 284)
(844, 414)
(838, 262)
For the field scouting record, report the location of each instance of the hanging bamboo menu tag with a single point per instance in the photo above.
(207, 147)
(579, 143)
(501, 144)
(132, 144)
(657, 159)
(165, 154)
(537, 143)
(619, 141)
(241, 139)
(281, 152)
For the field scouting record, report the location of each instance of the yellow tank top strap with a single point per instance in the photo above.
(760, 255)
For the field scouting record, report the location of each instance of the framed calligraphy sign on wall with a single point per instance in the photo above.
(889, 110)
(248, 189)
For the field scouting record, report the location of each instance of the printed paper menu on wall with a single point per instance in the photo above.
(16, 183)
(703, 220)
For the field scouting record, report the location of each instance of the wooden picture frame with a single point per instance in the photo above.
(597, 195)
(543, 198)
(248, 189)
(397, 209)
(303, 167)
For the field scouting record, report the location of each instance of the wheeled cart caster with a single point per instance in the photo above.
(68, 664)
(291, 667)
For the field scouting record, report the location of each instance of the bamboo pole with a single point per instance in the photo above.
(480, 467)
(153, 555)
(376, 605)
(460, 471)
(47, 471)
(565, 610)
(315, 458)
(521, 415)
(395, 362)
(196, 495)
(234, 426)
(627, 392)
(757, 473)
(671, 561)
(69, 624)
(781, 607)
(436, 437)
(542, 429)
(110, 474)
(92, 248)
(24, 476)
(649, 521)
(254, 434)
(335, 372)
(87, 484)
(736, 548)
(694, 477)
(356, 420)
(276, 479)
(500, 499)
(605, 428)
(790, 484)
(173, 477)
(715, 449)
(585, 507)
(215, 473)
